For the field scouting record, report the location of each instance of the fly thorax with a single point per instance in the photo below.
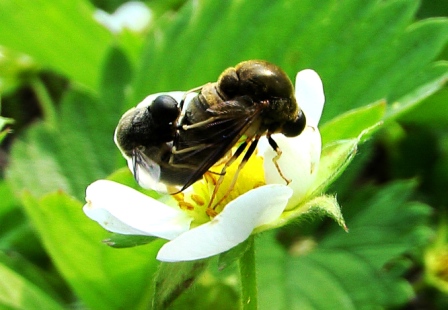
(211, 95)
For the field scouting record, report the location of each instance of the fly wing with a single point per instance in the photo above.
(145, 170)
(152, 173)
(205, 145)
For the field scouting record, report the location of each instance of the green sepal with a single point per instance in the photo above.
(127, 241)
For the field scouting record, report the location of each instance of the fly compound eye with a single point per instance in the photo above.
(164, 109)
(294, 128)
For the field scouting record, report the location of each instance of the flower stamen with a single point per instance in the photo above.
(198, 199)
(179, 196)
(211, 212)
(239, 179)
(186, 205)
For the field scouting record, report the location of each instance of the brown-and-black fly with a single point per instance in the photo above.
(145, 134)
(251, 100)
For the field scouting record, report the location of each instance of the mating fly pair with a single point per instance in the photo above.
(173, 142)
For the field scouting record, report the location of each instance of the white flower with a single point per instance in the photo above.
(126, 211)
(133, 15)
(301, 154)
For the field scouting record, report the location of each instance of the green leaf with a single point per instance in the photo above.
(432, 112)
(16, 292)
(348, 269)
(116, 75)
(100, 275)
(61, 159)
(80, 148)
(415, 97)
(9, 202)
(364, 51)
(431, 8)
(390, 215)
(15, 233)
(175, 278)
(61, 35)
(32, 275)
(352, 123)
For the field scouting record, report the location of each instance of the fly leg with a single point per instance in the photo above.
(274, 145)
(249, 152)
(182, 101)
(175, 151)
(190, 149)
(203, 123)
(238, 152)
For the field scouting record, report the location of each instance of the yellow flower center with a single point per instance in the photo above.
(198, 201)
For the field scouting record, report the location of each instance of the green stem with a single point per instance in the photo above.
(248, 277)
(45, 102)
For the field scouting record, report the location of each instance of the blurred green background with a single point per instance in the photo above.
(65, 80)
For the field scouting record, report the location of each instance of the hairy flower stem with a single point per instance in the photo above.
(249, 293)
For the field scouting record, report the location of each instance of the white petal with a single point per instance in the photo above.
(105, 19)
(123, 210)
(229, 228)
(133, 15)
(310, 96)
(299, 161)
